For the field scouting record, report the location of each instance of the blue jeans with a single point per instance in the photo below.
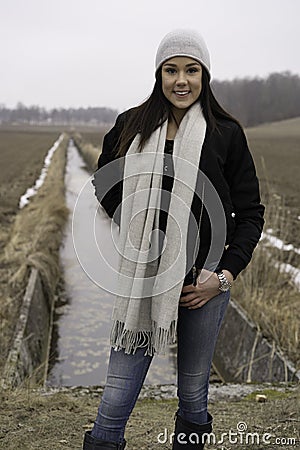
(197, 332)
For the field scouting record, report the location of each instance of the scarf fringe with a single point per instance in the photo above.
(155, 341)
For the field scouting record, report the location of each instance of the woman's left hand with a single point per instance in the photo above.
(207, 287)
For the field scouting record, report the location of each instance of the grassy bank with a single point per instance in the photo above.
(32, 240)
(30, 420)
(267, 294)
(93, 136)
(90, 151)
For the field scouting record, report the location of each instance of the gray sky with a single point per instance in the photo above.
(101, 53)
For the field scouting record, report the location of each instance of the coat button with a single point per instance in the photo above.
(233, 214)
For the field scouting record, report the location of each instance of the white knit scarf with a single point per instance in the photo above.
(146, 308)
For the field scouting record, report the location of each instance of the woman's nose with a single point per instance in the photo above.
(181, 79)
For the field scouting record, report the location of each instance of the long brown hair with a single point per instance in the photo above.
(148, 116)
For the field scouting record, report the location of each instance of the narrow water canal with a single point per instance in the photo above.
(80, 346)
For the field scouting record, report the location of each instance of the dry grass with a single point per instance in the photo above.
(34, 241)
(30, 420)
(94, 135)
(268, 295)
(89, 152)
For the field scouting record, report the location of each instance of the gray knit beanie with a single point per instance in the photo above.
(183, 43)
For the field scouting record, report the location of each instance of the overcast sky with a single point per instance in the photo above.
(71, 53)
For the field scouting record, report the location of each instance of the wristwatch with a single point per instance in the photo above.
(225, 285)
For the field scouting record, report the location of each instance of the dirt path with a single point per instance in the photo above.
(51, 421)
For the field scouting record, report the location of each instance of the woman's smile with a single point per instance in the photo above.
(182, 94)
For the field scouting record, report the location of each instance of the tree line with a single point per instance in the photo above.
(259, 100)
(62, 116)
(251, 100)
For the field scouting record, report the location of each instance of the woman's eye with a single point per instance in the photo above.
(192, 70)
(170, 70)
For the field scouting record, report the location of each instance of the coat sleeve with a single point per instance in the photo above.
(248, 211)
(108, 178)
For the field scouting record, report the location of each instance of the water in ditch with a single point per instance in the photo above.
(80, 344)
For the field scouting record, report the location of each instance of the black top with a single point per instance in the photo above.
(167, 184)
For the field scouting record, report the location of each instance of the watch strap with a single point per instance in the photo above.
(225, 284)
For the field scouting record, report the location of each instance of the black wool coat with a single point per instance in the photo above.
(228, 164)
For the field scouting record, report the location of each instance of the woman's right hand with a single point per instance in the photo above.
(206, 288)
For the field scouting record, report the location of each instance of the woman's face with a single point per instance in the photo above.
(181, 81)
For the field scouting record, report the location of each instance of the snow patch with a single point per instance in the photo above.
(273, 241)
(24, 199)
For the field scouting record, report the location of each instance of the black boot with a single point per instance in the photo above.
(191, 436)
(91, 443)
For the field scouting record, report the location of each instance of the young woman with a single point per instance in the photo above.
(187, 200)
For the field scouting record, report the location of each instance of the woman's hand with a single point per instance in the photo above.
(207, 287)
